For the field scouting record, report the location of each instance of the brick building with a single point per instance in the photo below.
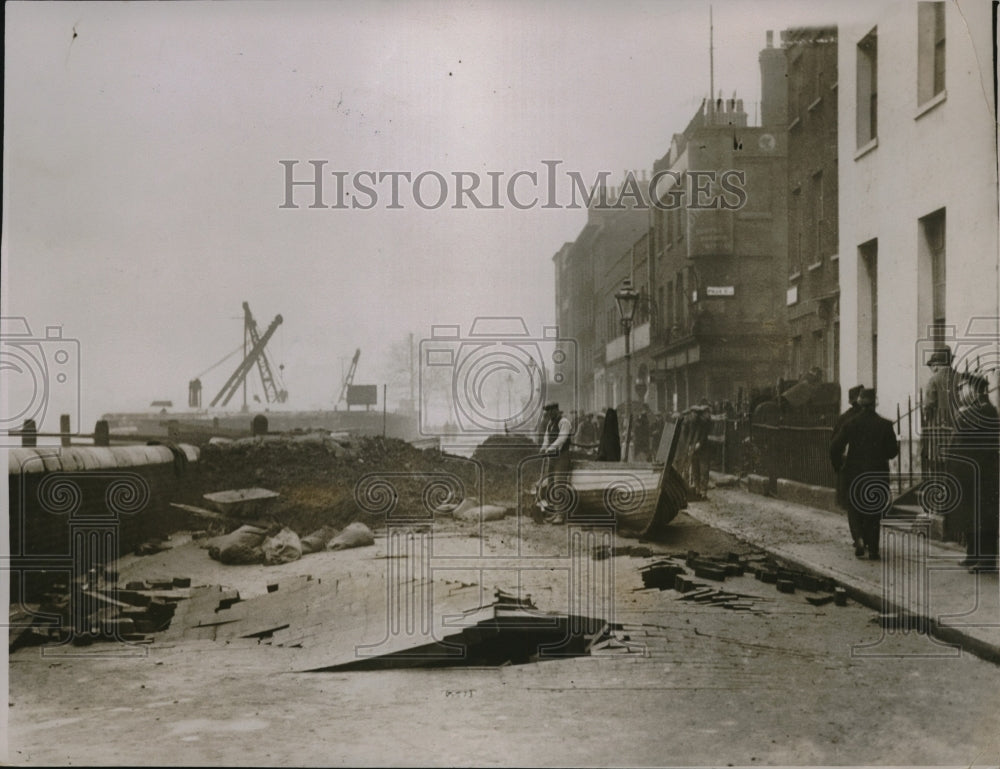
(584, 269)
(709, 262)
(812, 295)
(718, 266)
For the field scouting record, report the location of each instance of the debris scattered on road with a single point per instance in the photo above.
(152, 547)
(471, 510)
(601, 552)
(318, 540)
(240, 546)
(283, 547)
(354, 535)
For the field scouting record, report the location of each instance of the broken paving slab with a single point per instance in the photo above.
(323, 625)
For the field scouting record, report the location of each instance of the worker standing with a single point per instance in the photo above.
(555, 448)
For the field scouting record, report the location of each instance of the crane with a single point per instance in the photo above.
(256, 355)
(349, 379)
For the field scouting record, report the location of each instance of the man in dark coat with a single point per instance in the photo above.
(842, 483)
(871, 442)
(700, 447)
(610, 448)
(975, 459)
(641, 437)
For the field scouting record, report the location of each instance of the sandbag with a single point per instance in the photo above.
(313, 543)
(355, 535)
(240, 546)
(480, 513)
(456, 509)
(283, 547)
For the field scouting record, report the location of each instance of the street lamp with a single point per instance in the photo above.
(627, 299)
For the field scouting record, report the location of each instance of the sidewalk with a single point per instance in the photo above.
(918, 582)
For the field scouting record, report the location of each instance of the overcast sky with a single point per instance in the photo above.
(143, 188)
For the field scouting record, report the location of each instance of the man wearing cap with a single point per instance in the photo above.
(555, 447)
(842, 483)
(871, 442)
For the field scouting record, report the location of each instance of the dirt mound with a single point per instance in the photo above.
(503, 449)
(334, 482)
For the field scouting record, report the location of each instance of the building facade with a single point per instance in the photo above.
(719, 251)
(812, 293)
(918, 195)
(584, 269)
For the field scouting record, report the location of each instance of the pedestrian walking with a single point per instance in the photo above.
(974, 458)
(871, 442)
(842, 480)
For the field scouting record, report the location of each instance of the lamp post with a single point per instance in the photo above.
(627, 298)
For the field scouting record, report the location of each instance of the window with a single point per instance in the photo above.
(836, 350)
(795, 98)
(819, 351)
(795, 235)
(933, 227)
(868, 306)
(679, 299)
(671, 321)
(930, 50)
(867, 89)
(819, 218)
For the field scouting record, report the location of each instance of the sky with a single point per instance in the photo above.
(144, 188)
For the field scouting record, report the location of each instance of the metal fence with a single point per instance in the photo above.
(792, 452)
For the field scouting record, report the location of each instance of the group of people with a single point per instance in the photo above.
(593, 436)
(961, 440)
(696, 427)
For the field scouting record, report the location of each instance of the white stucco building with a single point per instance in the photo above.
(917, 164)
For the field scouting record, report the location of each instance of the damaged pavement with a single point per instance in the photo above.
(463, 641)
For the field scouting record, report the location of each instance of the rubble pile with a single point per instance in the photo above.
(674, 572)
(92, 607)
(317, 474)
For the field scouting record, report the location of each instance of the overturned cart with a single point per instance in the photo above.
(640, 498)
